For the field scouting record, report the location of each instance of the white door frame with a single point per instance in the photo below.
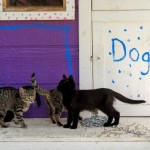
(85, 45)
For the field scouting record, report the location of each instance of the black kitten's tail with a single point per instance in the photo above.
(127, 100)
(38, 99)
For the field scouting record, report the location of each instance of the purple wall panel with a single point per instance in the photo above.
(48, 48)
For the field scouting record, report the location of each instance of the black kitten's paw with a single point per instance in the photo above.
(114, 124)
(66, 126)
(106, 125)
(73, 127)
(80, 118)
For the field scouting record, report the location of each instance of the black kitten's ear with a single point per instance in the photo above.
(71, 77)
(33, 74)
(64, 76)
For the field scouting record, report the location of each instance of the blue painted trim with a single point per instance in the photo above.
(65, 28)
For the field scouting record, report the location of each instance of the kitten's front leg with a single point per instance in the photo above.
(23, 125)
(75, 120)
(20, 120)
(2, 114)
(16, 121)
(3, 124)
(69, 120)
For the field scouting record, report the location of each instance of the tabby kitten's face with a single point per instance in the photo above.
(28, 96)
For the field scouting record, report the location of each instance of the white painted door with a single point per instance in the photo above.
(120, 47)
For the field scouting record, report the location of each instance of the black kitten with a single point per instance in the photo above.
(77, 100)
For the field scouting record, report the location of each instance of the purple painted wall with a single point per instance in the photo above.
(48, 48)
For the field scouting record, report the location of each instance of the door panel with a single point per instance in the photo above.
(118, 39)
(122, 56)
(120, 5)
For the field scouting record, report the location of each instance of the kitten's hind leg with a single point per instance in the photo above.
(16, 121)
(116, 115)
(51, 116)
(69, 120)
(55, 117)
(19, 118)
(3, 124)
(80, 118)
(51, 109)
(57, 120)
(108, 112)
(108, 123)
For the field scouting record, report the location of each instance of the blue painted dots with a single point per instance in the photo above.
(125, 30)
(113, 81)
(119, 71)
(139, 38)
(140, 78)
(141, 27)
(128, 40)
(110, 53)
(130, 65)
(130, 75)
(109, 31)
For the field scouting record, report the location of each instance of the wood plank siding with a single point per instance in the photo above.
(48, 48)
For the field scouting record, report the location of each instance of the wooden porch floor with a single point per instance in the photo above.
(42, 134)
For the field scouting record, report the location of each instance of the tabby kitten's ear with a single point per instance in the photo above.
(21, 91)
(64, 76)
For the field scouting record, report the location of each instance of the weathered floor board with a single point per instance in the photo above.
(43, 132)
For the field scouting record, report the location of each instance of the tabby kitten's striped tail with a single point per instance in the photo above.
(37, 87)
(34, 83)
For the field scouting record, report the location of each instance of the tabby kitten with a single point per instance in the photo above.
(17, 101)
(53, 99)
(10, 115)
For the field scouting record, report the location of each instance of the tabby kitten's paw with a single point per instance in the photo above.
(5, 125)
(53, 122)
(24, 126)
(66, 126)
(16, 122)
(59, 124)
